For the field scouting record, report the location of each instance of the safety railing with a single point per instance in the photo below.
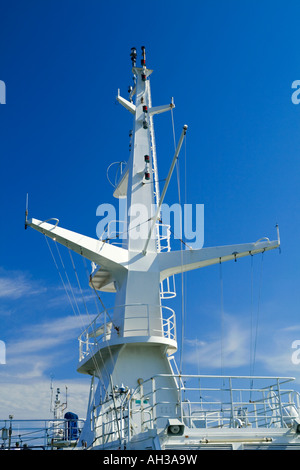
(163, 236)
(144, 321)
(235, 402)
(199, 402)
(114, 232)
(44, 434)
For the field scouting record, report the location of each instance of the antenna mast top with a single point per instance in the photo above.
(133, 56)
(143, 61)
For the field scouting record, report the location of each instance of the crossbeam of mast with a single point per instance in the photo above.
(175, 262)
(108, 256)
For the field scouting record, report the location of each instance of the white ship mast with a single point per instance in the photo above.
(134, 342)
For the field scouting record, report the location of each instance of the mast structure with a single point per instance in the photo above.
(136, 340)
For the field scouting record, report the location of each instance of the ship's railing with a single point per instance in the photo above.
(116, 231)
(230, 401)
(199, 402)
(145, 321)
(39, 434)
(163, 236)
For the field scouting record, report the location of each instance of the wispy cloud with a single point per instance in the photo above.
(273, 350)
(276, 351)
(232, 349)
(16, 284)
(46, 338)
(38, 348)
(32, 400)
(81, 300)
(35, 351)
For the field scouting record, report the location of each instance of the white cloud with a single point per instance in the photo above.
(32, 400)
(273, 350)
(79, 300)
(16, 284)
(232, 350)
(40, 347)
(37, 349)
(276, 351)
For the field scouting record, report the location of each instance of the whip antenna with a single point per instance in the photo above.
(26, 211)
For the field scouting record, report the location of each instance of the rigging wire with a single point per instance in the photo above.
(71, 289)
(66, 274)
(79, 285)
(254, 346)
(106, 312)
(119, 235)
(173, 128)
(56, 265)
(258, 313)
(222, 316)
(251, 315)
(95, 362)
(96, 365)
(97, 368)
(182, 273)
(88, 278)
(109, 349)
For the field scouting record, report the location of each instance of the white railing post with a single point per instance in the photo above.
(175, 332)
(180, 398)
(231, 401)
(280, 403)
(80, 349)
(129, 420)
(154, 398)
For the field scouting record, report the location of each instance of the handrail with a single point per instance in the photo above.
(40, 433)
(47, 220)
(209, 411)
(262, 239)
(100, 329)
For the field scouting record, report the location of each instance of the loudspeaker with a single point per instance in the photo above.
(175, 427)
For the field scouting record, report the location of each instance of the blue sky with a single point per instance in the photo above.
(229, 66)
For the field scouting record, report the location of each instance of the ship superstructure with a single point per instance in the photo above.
(138, 397)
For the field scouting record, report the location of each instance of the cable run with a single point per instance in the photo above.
(251, 330)
(222, 316)
(95, 362)
(55, 263)
(105, 309)
(182, 273)
(97, 368)
(79, 285)
(258, 313)
(90, 279)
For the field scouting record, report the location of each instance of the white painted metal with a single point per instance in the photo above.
(176, 262)
(154, 220)
(128, 349)
(163, 233)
